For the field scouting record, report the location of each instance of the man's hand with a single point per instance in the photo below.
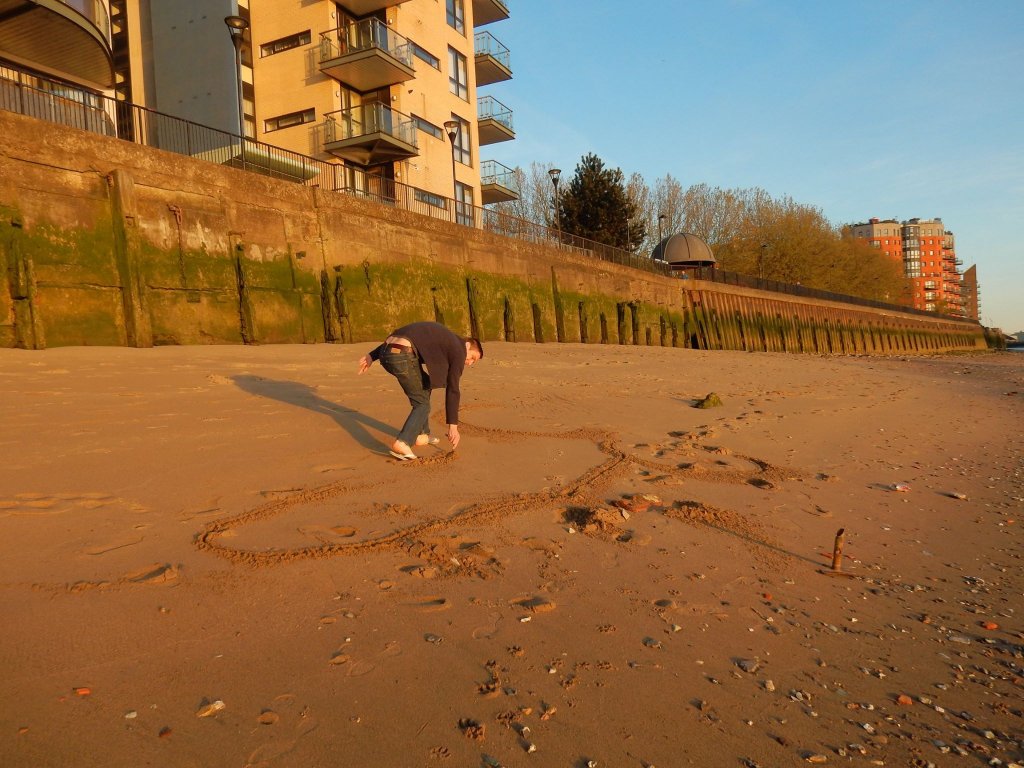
(364, 363)
(453, 435)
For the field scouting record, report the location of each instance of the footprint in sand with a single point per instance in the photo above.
(357, 667)
(489, 630)
(535, 604)
(158, 573)
(284, 727)
(432, 605)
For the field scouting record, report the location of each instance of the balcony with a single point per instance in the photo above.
(366, 55)
(489, 11)
(370, 134)
(495, 121)
(493, 60)
(366, 7)
(498, 183)
(69, 40)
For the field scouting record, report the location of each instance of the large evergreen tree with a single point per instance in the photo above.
(596, 205)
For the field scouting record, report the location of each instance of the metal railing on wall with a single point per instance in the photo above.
(715, 275)
(29, 94)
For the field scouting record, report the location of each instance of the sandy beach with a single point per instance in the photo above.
(207, 558)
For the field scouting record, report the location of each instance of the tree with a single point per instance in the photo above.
(748, 230)
(595, 205)
(639, 197)
(536, 196)
(667, 201)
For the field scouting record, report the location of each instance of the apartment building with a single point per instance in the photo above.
(927, 251)
(71, 41)
(386, 90)
(971, 292)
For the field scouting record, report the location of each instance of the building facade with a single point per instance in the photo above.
(927, 251)
(386, 90)
(971, 292)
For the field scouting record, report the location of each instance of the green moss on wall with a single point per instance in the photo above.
(192, 269)
(491, 292)
(71, 257)
(195, 317)
(81, 316)
(382, 297)
(6, 267)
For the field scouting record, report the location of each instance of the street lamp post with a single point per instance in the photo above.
(760, 261)
(661, 218)
(237, 26)
(452, 128)
(555, 173)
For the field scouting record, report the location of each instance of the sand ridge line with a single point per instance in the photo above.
(207, 538)
(579, 490)
(155, 574)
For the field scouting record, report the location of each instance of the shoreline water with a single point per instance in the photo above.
(602, 570)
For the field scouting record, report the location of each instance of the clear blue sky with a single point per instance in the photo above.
(912, 108)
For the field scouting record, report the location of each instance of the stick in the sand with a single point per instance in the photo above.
(837, 550)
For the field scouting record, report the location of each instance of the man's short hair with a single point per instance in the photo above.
(474, 343)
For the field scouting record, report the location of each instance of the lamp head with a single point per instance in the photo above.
(554, 173)
(236, 26)
(452, 127)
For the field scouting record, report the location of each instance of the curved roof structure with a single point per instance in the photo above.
(684, 250)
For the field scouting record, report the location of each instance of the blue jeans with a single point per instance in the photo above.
(405, 366)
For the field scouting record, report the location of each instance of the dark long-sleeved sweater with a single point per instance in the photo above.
(444, 355)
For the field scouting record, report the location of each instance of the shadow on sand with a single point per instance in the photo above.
(303, 396)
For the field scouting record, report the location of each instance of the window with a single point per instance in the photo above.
(464, 204)
(458, 82)
(462, 145)
(287, 121)
(427, 127)
(457, 15)
(430, 198)
(424, 55)
(285, 43)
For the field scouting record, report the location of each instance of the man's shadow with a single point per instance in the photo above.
(302, 395)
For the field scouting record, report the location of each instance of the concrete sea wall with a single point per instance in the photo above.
(109, 243)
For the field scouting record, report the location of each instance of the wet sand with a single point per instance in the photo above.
(207, 558)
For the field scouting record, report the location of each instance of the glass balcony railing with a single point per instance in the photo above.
(486, 44)
(489, 108)
(493, 172)
(364, 35)
(367, 120)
